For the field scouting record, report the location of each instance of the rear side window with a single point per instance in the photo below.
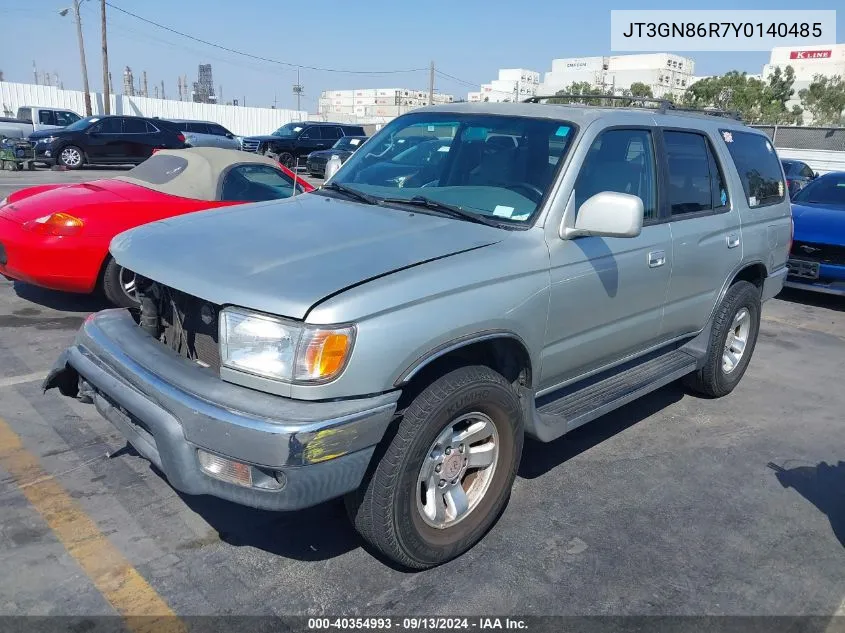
(696, 183)
(134, 126)
(758, 167)
(198, 128)
(46, 117)
(329, 133)
(25, 114)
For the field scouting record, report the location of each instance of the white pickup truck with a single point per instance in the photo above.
(30, 119)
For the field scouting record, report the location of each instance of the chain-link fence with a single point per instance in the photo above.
(823, 138)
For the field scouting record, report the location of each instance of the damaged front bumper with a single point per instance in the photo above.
(299, 453)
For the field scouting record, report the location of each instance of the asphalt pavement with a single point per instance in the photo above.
(674, 504)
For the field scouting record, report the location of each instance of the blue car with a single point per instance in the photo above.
(817, 259)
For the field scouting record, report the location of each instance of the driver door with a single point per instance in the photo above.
(608, 293)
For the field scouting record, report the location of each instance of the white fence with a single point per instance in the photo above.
(240, 120)
(819, 160)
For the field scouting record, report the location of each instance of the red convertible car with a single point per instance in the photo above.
(57, 236)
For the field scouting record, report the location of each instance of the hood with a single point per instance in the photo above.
(819, 223)
(56, 131)
(68, 198)
(283, 257)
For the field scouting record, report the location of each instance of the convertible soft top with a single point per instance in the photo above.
(190, 173)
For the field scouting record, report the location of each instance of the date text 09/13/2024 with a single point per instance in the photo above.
(416, 623)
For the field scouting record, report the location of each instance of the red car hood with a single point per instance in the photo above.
(68, 199)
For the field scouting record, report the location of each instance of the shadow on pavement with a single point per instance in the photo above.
(539, 458)
(314, 534)
(823, 486)
(63, 301)
(815, 299)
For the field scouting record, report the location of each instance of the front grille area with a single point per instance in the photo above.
(250, 145)
(188, 325)
(822, 253)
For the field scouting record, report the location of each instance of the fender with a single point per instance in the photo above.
(450, 346)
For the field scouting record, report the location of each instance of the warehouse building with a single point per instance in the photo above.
(663, 72)
(512, 84)
(378, 102)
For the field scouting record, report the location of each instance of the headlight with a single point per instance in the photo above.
(282, 350)
(47, 139)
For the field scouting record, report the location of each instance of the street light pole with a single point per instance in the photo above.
(85, 90)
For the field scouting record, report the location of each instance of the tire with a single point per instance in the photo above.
(71, 157)
(287, 159)
(389, 510)
(114, 284)
(740, 307)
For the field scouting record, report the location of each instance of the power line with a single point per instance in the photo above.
(264, 59)
(459, 80)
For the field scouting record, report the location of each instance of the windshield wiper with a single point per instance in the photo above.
(360, 196)
(447, 209)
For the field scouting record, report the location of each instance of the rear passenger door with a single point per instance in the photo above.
(706, 238)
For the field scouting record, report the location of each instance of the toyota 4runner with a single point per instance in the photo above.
(393, 336)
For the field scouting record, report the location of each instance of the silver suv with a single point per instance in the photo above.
(393, 336)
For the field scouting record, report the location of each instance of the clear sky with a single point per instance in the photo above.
(468, 39)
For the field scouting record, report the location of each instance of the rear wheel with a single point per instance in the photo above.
(732, 340)
(119, 285)
(71, 157)
(446, 474)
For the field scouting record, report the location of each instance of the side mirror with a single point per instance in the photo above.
(815, 175)
(229, 135)
(608, 214)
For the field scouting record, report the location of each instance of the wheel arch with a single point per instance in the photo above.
(502, 351)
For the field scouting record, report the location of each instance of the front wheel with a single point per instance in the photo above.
(446, 474)
(732, 340)
(71, 157)
(287, 159)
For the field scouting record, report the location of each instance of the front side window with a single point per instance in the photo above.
(758, 166)
(621, 161)
(217, 130)
(696, 183)
(255, 183)
(806, 172)
(109, 126)
(46, 117)
(495, 166)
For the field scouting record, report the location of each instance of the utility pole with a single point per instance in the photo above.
(106, 92)
(35, 72)
(146, 89)
(162, 89)
(297, 90)
(431, 85)
(85, 90)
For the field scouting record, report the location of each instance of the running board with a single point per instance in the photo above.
(582, 404)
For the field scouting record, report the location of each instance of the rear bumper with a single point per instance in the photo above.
(168, 407)
(774, 283)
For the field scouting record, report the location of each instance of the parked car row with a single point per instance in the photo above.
(292, 143)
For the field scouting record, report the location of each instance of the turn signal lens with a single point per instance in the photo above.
(323, 353)
(55, 224)
(225, 469)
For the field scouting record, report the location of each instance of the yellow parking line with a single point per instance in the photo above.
(114, 576)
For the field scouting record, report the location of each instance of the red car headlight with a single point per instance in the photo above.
(55, 224)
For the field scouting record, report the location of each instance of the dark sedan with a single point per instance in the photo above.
(343, 149)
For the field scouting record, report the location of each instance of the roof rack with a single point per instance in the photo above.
(662, 105)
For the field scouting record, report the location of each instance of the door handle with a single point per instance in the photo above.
(656, 258)
(733, 240)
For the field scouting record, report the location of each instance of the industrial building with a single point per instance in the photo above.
(203, 91)
(662, 72)
(807, 62)
(512, 84)
(375, 102)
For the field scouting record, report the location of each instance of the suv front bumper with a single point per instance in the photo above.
(168, 407)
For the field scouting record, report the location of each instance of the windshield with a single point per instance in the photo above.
(289, 130)
(348, 142)
(81, 124)
(499, 166)
(828, 189)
